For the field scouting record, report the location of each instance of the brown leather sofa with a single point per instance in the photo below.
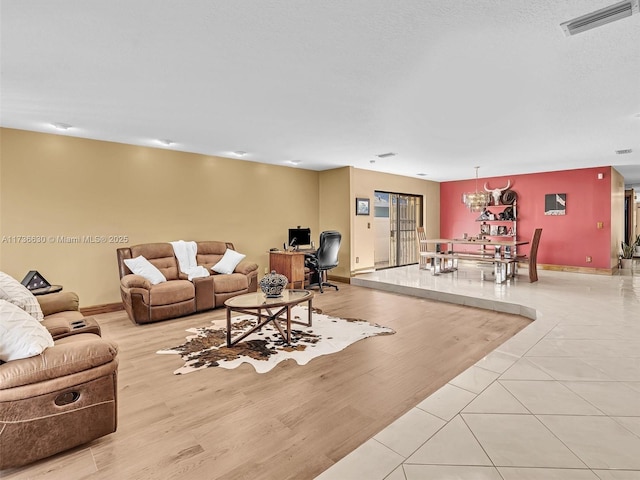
(62, 398)
(146, 303)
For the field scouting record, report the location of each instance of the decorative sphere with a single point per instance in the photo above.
(273, 283)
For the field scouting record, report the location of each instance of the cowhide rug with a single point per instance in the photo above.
(265, 349)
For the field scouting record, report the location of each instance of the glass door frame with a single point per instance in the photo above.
(406, 213)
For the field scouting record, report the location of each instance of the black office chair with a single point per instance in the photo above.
(325, 258)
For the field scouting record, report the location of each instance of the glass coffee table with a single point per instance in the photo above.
(267, 310)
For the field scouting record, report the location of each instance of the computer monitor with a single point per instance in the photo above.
(299, 236)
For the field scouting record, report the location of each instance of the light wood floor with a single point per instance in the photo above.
(291, 423)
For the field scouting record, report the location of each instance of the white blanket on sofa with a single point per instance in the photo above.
(186, 255)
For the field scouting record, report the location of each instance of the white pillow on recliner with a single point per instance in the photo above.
(143, 267)
(14, 292)
(21, 335)
(228, 262)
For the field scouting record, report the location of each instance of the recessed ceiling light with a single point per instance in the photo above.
(624, 151)
(372, 161)
(421, 174)
(386, 155)
(61, 126)
(166, 142)
(239, 153)
(293, 162)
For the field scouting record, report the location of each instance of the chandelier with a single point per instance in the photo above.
(476, 201)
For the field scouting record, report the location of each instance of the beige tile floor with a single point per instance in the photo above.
(560, 400)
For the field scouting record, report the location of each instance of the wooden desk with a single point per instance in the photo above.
(289, 264)
(445, 259)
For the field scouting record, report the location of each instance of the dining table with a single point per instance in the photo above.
(445, 253)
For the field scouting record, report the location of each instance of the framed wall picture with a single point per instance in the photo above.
(362, 206)
(555, 204)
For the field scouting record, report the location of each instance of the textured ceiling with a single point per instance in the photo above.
(327, 83)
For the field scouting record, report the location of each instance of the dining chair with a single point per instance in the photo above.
(423, 260)
(532, 258)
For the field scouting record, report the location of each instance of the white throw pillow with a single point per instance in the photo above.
(21, 335)
(13, 291)
(228, 262)
(143, 267)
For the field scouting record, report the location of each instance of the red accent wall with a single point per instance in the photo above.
(566, 239)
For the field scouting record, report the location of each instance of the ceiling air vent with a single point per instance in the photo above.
(386, 155)
(600, 17)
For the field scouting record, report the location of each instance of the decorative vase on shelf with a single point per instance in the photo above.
(272, 284)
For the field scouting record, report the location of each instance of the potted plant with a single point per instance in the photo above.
(626, 257)
(637, 244)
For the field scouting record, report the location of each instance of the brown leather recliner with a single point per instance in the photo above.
(62, 398)
(146, 303)
(62, 315)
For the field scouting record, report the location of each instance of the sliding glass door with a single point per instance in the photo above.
(396, 217)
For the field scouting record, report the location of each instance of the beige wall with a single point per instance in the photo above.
(54, 186)
(339, 189)
(363, 184)
(334, 213)
(58, 192)
(617, 215)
